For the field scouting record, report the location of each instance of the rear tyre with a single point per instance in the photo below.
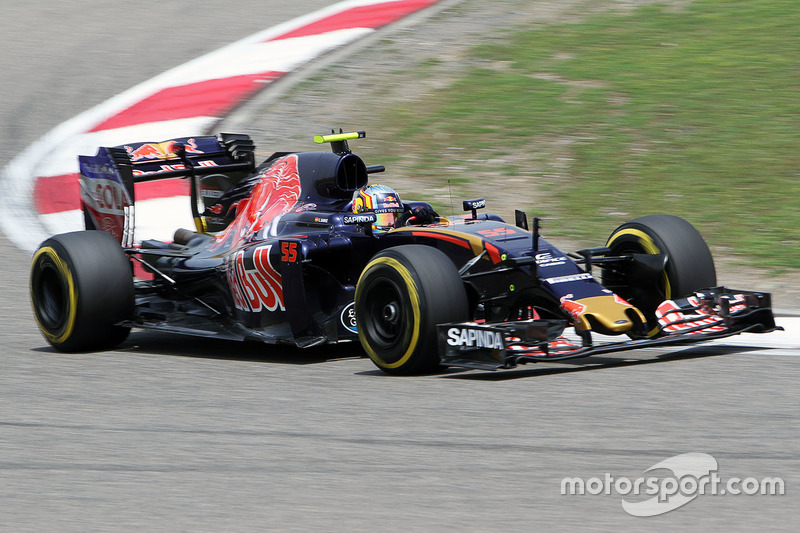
(81, 286)
(402, 294)
(689, 264)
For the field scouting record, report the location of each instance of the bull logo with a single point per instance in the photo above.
(163, 150)
(275, 194)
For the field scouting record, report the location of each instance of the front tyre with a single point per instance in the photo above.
(402, 294)
(689, 264)
(81, 286)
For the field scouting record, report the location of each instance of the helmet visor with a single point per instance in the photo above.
(385, 220)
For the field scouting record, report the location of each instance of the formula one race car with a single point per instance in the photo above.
(301, 250)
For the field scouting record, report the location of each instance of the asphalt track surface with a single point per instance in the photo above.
(170, 433)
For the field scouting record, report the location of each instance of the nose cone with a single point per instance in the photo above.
(607, 315)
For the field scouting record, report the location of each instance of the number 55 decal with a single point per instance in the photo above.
(497, 232)
(288, 252)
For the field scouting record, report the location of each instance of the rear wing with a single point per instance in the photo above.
(107, 180)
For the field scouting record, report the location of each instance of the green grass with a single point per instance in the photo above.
(693, 112)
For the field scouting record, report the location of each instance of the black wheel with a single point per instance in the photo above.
(402, 294)
(689, 265)
(81, 287)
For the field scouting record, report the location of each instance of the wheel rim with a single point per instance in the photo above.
(51, 297)
(385, 323)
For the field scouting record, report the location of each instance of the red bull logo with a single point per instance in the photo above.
(258, 288)
(162, 150)
(216, 209)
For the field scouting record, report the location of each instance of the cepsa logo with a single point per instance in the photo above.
(546, 259)
(257, 288)
(108, 196)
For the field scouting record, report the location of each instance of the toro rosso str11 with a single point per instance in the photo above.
(296, 250)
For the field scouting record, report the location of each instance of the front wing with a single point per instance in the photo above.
(709, 314)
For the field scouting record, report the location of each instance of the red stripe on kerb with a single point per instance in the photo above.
(373, 16)
(151, 190)
(55, 194)
(442, 237)
(212, 98)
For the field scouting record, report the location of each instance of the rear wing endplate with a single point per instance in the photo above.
(107, 179)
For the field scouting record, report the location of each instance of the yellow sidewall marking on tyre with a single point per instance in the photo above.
(61, 265)
(413, 296)
(649, 247)
(647, 242)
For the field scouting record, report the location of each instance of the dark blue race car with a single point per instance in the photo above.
(301, 249)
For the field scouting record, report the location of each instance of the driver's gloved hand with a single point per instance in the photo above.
(417, 216)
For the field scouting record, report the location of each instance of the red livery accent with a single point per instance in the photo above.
(561, 346)
(442, 237)
(702, 320)
(494, 253)
(620, 300)
(575, 309)
(275, 194)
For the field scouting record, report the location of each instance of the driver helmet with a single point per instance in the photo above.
(382, 201)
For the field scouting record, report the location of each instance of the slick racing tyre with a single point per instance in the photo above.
(688, 266)
(81, 286)
(402, 294)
